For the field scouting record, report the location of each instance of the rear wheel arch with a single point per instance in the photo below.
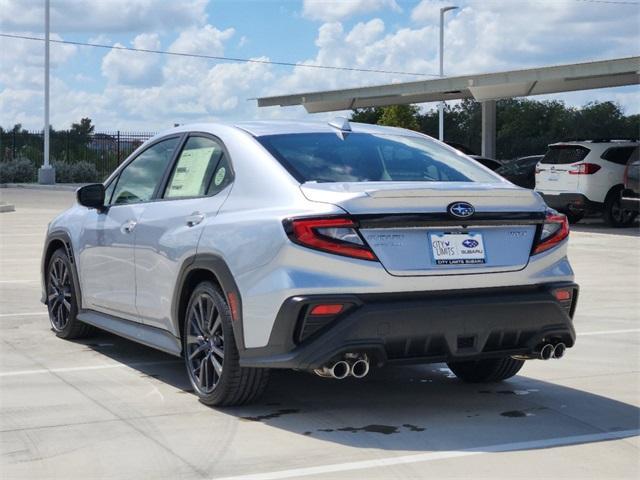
(200, 268)
(615, 190)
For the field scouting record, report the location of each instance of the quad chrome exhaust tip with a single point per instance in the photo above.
(338, 370)
(559, 350)
(546, 352)
(360, 368)
(354, 364)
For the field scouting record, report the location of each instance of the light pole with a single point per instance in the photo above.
(443, 10)
(46, 174)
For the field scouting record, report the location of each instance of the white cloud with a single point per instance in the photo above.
(134, 68)
(428, 12)
(23, 60)
(333, 10)
(147, 91)
(102, 15)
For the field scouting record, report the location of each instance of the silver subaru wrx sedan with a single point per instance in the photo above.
(332, 248)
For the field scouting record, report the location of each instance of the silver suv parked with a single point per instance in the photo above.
(321, 247)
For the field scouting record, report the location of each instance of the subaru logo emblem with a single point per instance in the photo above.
(469, 243)
(461, 209)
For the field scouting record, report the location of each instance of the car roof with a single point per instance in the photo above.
(592, 143)
(261, 128)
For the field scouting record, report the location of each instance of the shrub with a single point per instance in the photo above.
(78, 172)
(20, 170)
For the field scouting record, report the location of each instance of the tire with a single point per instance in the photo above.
(210, 353)
(614, 215)
(486, 371)
(62, 302)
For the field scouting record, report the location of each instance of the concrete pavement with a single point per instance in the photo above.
(108, 408)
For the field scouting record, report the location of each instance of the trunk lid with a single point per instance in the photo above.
(408, 227)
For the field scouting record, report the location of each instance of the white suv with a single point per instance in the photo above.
(579, 177)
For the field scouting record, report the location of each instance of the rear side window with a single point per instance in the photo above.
(200, 170)
(364, 157)
(564, 154)
(619, 155)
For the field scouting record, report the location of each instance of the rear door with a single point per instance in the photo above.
(553, 171)
(169, 229)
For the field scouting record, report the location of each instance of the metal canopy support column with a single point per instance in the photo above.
(489, 128)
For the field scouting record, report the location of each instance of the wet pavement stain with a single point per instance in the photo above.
(381, 429)
(413, 428)
(508, 392)
(269, 416)
(516, 414)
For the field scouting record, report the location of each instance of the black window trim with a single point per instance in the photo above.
(162, 191)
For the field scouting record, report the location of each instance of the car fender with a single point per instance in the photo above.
(59, 236)
(217, 266)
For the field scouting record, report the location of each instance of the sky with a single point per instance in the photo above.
(147, 92)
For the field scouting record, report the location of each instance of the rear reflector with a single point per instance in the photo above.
(233, 305)
(563, 295)
(327, 309)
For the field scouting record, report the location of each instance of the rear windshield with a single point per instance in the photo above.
(364, 157)
(563, 154)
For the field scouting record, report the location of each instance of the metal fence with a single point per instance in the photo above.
(104, 150)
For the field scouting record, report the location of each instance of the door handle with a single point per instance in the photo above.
(129, 226)
(194, 219)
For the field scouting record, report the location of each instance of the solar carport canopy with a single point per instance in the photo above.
(489, 86)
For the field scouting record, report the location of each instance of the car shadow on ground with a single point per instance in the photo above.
(411, 408)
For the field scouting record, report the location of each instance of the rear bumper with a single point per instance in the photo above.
(422, 327)
(571, 202)
(630, 201)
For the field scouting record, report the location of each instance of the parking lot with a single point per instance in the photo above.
(108, 408)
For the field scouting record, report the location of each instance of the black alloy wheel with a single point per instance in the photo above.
(59, 294)
(205, 343)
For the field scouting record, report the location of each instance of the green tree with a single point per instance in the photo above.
(81, 132)
(367, 115)
(404, 116)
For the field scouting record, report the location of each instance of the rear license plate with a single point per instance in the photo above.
(457, 248)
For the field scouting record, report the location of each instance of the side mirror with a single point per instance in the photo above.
(91, 196)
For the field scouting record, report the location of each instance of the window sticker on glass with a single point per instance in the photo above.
(190, 172)
(219, 178)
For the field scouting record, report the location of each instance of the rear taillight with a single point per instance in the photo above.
(584, 169)
(554, 230)
(336, 235)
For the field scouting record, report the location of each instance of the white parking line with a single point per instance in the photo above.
(429, 457)
(39, 371)
(608, 332)
(19, 281)
(23, 314)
